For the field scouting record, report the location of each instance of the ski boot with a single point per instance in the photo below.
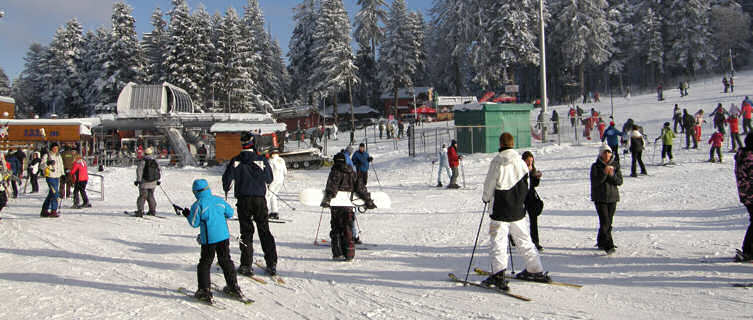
(535, 277)
(272, 270)
(246, 271)
(151, 213)
(44, 213)
(204, 295)
(743, 257)
(357, 240)
(139, 214)
(439, 185)
(54, 214)
(496, 280)
(233, 291)
(87, 205)
(274, 215)
(338, 258)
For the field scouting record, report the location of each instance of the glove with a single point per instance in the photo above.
(186, 212)
(50, 162)
(136, 183)
(324, 204)
(178, 210)
(371, 159)
(433, 161)
(485, 201)
(370, 204)
(158, 183)
(460, 157)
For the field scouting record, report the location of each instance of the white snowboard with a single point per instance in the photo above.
(313, 198)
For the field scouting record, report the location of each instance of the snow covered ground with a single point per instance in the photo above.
(672, 227)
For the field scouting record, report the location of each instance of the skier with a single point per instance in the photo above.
(209, 213)
(400, 129)
(667, 136)
(555, 122)
(454, 160)
(677, 118)
(279, 171)
(734, 132)
(381, 129)
(747, 112)
(732, 84)
(342, 178)
(601, 126)
(33, 173)
(361, 160)
(636, 147)
(720, 119)
(444, 165)
(251, 173)
(16, 160)
(80, 177)
(606, 177)
(507, 184)
(533, 202)
(612, 137)
(685, 87)
(744, 177)
(734, 110)
(716, 141)
(147, 179)
(52, 166)
(689, 123)
(725, 82)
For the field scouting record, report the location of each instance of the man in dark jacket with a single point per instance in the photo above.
(251, 173)
(342, 178)
(555, 122)
(507, 184)
(605, 178)
(361, 160)
(688, 121)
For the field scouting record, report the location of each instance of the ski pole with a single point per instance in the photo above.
(475, 243)
(432, 172)
(462, 172)
(316, 237)
(512, 264)
(376, 175)
(283, 201)
(167, 195)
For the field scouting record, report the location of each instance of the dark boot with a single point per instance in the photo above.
(536, 277)
(233, 290)
(204, 295)
(274, 215)
(246, 271)
(54, 214)
(272, 269)
(497, 280)
(44, 213)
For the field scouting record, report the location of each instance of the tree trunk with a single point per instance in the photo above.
(352, 116)
(458, 79)
(582, 76)
(394, 94)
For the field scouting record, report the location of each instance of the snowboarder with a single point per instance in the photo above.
(342, 178)
(147, 179)
(744, 177)
(209, 213)
(361, 160)
(52, 166)
(677, 119)
(454, 160)
(444, 165)
(716, 141)
(606, 177)
(33, 173)
(507, 184)
(251, 173)
(636, 146)
(533, 202)
(734, 132)
(612, 137)
(689, 124)
(279, 171)
(667, 136)
(80, 177)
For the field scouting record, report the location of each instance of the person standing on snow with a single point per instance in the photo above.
(744, 178)
(612, 137)
(507, 184)
(5, 174)
(734, 132)
(606, 177)
(716, 141)
(210, 213)
(533, 202)
(251, 173)
(454, 160)
(667, 136)
(52, 166)
(720, 118)
(444, 165)
(747, 113)
(677, 118)
(637, 144)
(147, 179)
(279, 171)
(80, 177)
(342, 178)
(689, 123)
(361, 160)
(555, 122)
(34, 171)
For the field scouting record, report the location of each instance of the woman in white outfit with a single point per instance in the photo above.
(279, 171)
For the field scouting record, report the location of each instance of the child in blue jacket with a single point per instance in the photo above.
(209, 213)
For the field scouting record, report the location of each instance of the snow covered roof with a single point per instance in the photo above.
(293, 112)
(469, 107)
(405, 93)
(492, 106)
(453, 100)
(345, 109)
(216, 117)
(245, 126)
(7, 99)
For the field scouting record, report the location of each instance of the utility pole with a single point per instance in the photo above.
(543, 67)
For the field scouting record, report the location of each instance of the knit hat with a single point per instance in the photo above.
(611, 123)
(603, 148)
(148, 151)
(666, 124)
(247, 140)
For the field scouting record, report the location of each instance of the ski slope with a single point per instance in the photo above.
(672, 228)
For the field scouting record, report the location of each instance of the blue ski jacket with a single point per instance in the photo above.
(361, 160)
(209, 213)
(612, 135)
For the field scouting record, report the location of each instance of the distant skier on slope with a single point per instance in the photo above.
(667, 136)
(612, 137)
(507, 184)
(454, 159)
(689, 123)
(744, 177)
(716, 141)
(636, 146)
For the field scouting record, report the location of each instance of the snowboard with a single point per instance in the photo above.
(313, 198)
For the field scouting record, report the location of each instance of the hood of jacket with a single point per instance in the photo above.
(514, 168)
(201, 188)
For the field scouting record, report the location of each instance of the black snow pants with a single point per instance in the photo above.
(222, 249)
(606, 215)
(748, 241)
(637, 157)
(253, 209)
(666, 150)
(341, 234)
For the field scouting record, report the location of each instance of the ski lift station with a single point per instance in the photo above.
(479, 125)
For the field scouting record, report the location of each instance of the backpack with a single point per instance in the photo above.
(151, 171)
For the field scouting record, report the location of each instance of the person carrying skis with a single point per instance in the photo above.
(734, 132)
(533, 202)
(636, 146)
(147, 179)
(251, 173)
(361, 160)
(606, 177)
(279, 171)
(747, 113)
(80, 177)
(210, 213)
(52, 166)
(667, 136)
(688, 121)
(342, 178)
(716, 141)
(507, 184)
(612, 137)
(454, 160)
(677, 118)
(744, 178)
(444, 165)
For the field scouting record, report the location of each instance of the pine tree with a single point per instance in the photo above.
(201, 25)
(216, 65)
(93, 72)
(334, 69)
(124, 57)
(237, 85)
(453, 31)
(153, 45)
(181, 61)
(368, 32)
(300, 55)
(690, 36)
(4, 83)
(397, 55)
(622, 13)
(653, 44)
(61, 74)
(260, 58)
(418, 30)
(27, 89)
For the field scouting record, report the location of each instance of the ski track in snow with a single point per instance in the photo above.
(674, 229)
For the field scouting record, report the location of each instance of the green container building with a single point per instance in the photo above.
(480, 125)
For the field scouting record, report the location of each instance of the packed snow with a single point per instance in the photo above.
(676, 231)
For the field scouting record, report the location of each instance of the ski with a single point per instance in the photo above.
(184, 291)
(276, 278)
(255, 278)
(363, 246)
(516, 296)
(280, 220)
(483, 272)
(743, 285)
(133, 214)
(242, 299)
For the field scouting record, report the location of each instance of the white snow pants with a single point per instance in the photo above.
(439, 173)
(519, 231)
(272, 201)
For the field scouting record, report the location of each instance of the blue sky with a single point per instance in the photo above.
(28, 21)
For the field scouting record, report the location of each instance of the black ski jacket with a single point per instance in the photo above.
(251, 173)
(604, 187)
(343, 178)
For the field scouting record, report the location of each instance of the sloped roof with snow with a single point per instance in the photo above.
(405, 93)
(453, 100)
(245, 127)
(345, 109)
(7, 99)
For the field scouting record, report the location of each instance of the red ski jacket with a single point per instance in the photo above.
(452, 157)
(716, 139)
